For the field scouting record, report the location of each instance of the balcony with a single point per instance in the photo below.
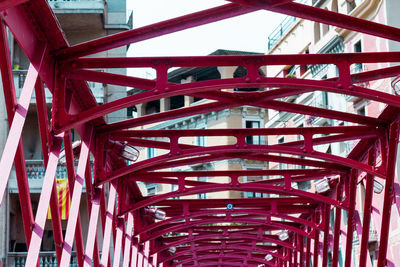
(19, 80)
(356, 68)
(77, 6)
(80, 19)
(36, 171)
(46, 259)
(283, 28)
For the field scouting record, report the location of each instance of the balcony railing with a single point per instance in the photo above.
(35, 170)
(46, 259)
(283, 28)
(20, 76)
(77, 6)
(71, 0)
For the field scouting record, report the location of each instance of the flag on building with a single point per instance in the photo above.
(64, 200)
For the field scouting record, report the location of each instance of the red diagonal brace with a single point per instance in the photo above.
(389, 193)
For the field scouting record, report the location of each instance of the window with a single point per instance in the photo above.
(202, 195)
(250, 179)
(317, 33)
(151, 152)
(281, 141)
(131, 112)
(151, 189)
(351, 4)
(335, 6)
(253, 139)
(201, 140)
(325, 28)
(177, 102)
(325, 99)
(361, 111)
(174, 187)
(358, 67)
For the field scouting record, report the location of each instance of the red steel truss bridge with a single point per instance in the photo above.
(290, 227)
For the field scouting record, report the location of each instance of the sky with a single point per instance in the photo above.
(245, 33)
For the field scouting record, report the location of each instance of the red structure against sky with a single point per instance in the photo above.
(213, 232)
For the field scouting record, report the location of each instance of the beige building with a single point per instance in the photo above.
(298, 36)
(81, 21)
(241, 117)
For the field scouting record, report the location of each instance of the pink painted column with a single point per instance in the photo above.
(43, 122)
(93, 193)
(359, 232)
(350, 218)
(134, 255)
(76, 198)
(19, 160)
(308, 249)
(41, 214)
(118, 242)
(146, 253)
(365, 259)
(71, 181)
(107, 230)
(128, 238)
(140, 259)
(155, 260)
(326, 220)
(91, 237)
(316, 239)
(15, 132)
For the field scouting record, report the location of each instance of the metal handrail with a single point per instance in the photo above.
(282, 28)
(46, 259)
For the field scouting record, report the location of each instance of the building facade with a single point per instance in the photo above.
(81, 21)
(230, 118)
(298, 36)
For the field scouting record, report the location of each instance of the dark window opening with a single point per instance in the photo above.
(177, 102)
(153, 107)
(130, 111)
(361, 111)
(358, 67)
(253, 139)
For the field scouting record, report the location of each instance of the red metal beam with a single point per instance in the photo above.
(389, 193)
(5, 4)
(338, 220)
(327, 17)
(369, 190)
(351, 199)
(154, 30)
